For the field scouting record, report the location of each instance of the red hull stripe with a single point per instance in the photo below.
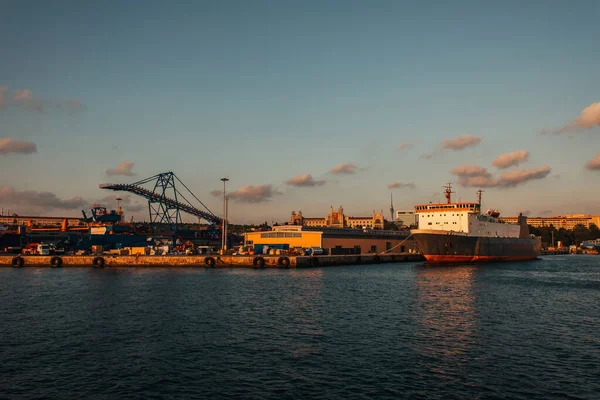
(465, 259)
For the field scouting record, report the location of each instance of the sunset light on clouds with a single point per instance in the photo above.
(302, 106)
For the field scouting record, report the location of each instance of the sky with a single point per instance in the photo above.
(302, 105)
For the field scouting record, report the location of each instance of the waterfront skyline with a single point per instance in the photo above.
(303, 106)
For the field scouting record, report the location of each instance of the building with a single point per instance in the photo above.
(39, 221)
(405, 217)
(334, 241)
(568, 221)
(337, 219)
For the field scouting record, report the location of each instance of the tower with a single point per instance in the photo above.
(392, 207)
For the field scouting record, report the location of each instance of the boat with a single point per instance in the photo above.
(460, 233)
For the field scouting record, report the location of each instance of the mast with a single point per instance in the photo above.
(479, 196)
(392, 207)
(448, 192)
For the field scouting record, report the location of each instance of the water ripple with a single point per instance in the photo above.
(388, 331)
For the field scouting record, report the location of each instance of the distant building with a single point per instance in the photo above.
(568, 221)
(406, 217)
(39, 221)
(337, 219)
(334, 241)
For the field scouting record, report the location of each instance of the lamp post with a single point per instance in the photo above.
(224, 222)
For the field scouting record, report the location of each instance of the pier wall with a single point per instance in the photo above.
(204, 261)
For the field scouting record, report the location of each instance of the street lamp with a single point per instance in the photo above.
(224, 222)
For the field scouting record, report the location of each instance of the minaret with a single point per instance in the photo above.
(392, 207)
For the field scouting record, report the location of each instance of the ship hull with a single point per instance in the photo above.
(445, 248)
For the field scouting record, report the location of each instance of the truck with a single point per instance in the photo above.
(42, 249)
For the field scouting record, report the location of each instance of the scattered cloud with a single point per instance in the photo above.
(10, 145)
(73, 105)
(216, 193)
(398, 185)
(556, 176)
(510, 159)
(593, 164)
(524, 212)
(9, 195)
(27, 100)
(470, 170)
(461, 142)
(428, 156)
(471, 175)
(516, 177)
(122, 169)
(254, 193)
(344, 168)
(458, 143)
(589, 118)
(304, 180)
(126, 202)
(405, 146)
(545, 212)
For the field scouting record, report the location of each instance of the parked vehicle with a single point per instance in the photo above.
(42, 249)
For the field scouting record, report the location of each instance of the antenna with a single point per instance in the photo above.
(479, 196)
(448, 192)
(392, 206)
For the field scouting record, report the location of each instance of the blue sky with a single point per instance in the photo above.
(266, 91)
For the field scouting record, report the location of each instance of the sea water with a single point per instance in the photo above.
(513, 330)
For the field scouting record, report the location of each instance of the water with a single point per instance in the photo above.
(518, 330)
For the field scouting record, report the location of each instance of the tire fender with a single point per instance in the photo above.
(283, 262)
(18, 262)
(258, 262)
(56, 262)
(98, 262)
(209, 261)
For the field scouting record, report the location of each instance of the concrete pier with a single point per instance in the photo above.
(216, 261)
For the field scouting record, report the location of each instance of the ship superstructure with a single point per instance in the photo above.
(460, 232)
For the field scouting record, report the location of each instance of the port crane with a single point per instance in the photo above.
(165, 200)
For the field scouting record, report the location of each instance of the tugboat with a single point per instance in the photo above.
(460, 233)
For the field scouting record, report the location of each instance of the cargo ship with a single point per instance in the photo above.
(460, 233)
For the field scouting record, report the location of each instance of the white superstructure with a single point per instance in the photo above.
(463, 219)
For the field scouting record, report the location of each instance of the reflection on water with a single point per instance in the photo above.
(446, 310)
(306, 322)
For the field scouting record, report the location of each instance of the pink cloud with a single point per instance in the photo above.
(471, 175)
(470, 170)
(122, 169)
(22, 95)
(254, 193)
(405, 146)
(516, 177)
(10, 145)
(26, 99)
(304, 180)
(593, 164)
(461, 142)
(509, 159)
(589, 118)
(398, 185)
(344, 168)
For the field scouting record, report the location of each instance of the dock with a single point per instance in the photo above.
(210, 261)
